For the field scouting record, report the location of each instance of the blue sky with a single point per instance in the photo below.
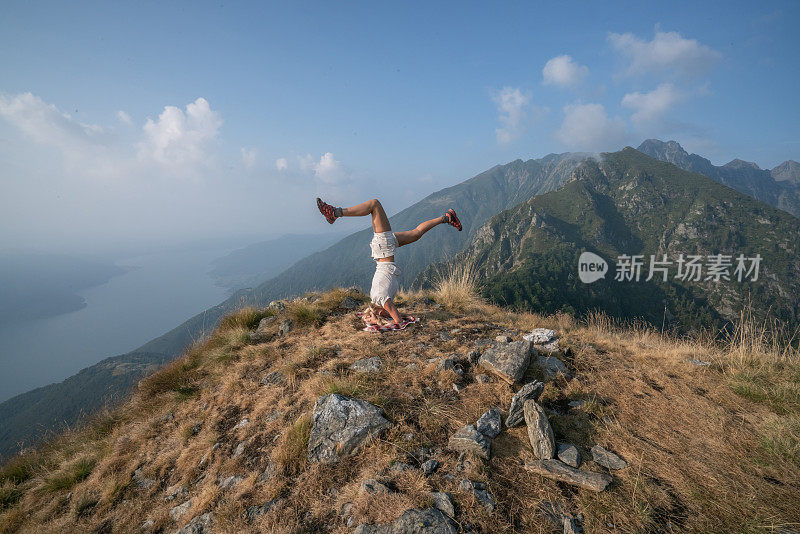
(158, 122)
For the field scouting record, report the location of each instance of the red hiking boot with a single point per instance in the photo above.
(326, 210)
(452, 219)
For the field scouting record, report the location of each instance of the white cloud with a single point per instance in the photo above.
(45, 124)
(328, 170)
(649, 108)
(249, 158)
(511, 105)
(124, 117)
(588, 127)
(281, 164)
(563, 71)
(668, 53)
(181, 140)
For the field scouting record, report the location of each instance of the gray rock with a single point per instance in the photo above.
(429, 467)
(490, 423)
(400, 467)
(571, 525)
(141, 481)
(202, 524)
(177, 511)
(539, 432)
(478, 489)
(177, 491)
(577, 404)
(568, 453)
(483, 379)
(607, 458)
(468, 439)
(225, 483)
(508, 360)
(265, 322)
(412, 367)
(474, 356)
(371, 486)
(446, 364)
(540, 336)
(550, 367)
(341, 425)
(286, 326)
(207, 455)
(457, 388)
(147, 525)
(427, 521)
(276, 305)
(699, 363)
(443, 502)
(558, 470)
(550, 348)
(275, 378)
(503, 339)
(349, 303)
(367, 365)
(530, 391)
(445, 336)
(260, 509)
(241, 424)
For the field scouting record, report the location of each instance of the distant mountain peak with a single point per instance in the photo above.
(741, 164)
(788, 171)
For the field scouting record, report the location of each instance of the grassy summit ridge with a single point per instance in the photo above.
(225, 428)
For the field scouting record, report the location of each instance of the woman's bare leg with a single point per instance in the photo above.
(380, 222)
(404, 238)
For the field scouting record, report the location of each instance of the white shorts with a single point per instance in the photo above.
(384, 284)
(383, 245)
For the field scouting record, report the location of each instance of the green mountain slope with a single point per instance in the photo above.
(629, 203)
(779, 187)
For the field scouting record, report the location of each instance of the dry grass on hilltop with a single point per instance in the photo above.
(710, 448)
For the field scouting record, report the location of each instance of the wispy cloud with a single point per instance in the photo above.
(668, 54)
(563, 71)
(512, 104)
(649, 108)
(588, 127)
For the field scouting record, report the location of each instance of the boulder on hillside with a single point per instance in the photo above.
(539, 431)
(568, 453)
(490, 423)
(607, 458)
(367, 365)
(202, 524)
(530, 391)
(550, 366)
(427, 521)
(557, 470)
(468, 439)
(509, 361)
(341, 425)
(540, 336)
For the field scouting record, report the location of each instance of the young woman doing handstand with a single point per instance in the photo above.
(383, 244)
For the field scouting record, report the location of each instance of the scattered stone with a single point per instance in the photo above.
(349, 303)
(340, 425)
(557, 470)
(530, 391)
(550, 367)
(412, 367)
(550, 348)
(503, 339)
(699, 363)
(540, 336)
(539, 432)
(273, 416)
(446, 364)
(241, 424)
(347, 513)
(276, 305)
(176, 492)
(373, 487)
(285, 327)
(427, 521)
(260, 336)
(265, 322)
(483, 379)
(607, 458)
(141, 481)
(571, 525)
(275, 378)
(260, 509)
(202, 524)
(490, 423)
(147, 524)
(474, 356)
(268, 473)
(400, 467)
(367, 365)
(443, 502)
(457, 387)
(229, 482)
(553, 512)
(577, 404)
(445, 336)
(568, 453)
(508, 360)
(468, 439)
(177, 511)
(478, 489)
(429, 467)
(170, 417)
(208, 454)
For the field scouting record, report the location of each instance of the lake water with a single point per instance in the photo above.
(159, 293)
